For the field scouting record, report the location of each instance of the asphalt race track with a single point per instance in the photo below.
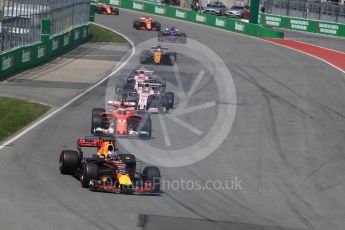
(285, 147)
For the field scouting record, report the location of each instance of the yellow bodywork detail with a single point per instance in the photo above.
(125, 180)
(157, 57)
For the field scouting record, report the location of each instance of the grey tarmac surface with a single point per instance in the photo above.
(330, 42)
(65, 76)
(286, 146)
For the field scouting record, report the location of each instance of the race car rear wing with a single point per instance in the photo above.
(94, 141)
(137, 71)
(127, 105)
(152, 85)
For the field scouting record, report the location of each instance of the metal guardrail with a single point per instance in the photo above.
(317, 10)
(21, 24)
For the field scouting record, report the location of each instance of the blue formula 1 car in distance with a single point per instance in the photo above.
(172, 35)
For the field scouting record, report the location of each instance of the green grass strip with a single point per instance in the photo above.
(99, 34)
(16, 114)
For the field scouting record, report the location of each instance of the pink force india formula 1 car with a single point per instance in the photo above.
(148, 92)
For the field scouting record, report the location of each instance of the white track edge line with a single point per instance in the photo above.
(37, 123)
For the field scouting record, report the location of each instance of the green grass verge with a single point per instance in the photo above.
(16, 114)
(99, 34)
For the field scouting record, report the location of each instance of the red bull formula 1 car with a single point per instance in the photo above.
(102, 8)
(108, 170)
(146, 23)
(121, 121)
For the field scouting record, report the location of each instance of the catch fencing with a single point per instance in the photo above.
(315, 10)
(22, 20)
(33, 32)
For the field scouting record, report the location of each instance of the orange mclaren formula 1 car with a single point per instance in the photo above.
(108, 170)
(102, 8)
(146, 23)
(121, 121)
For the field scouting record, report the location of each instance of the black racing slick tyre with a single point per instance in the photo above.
(170, 100)
(69, 162)
(89, 172)
(156, 26)
(97, 111)
(136, 24)
(152, 174)
(147, 127)
(97, 119)
(115, 11)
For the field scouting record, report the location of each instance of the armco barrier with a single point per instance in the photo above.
(49, 47)
(301, 24)
(196, 17)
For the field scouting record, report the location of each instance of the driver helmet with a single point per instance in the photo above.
(111, 149)
(146, 88)
(121, 111)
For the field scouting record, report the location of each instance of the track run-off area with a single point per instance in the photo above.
(256, 142)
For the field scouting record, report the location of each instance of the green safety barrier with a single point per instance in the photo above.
(301, 24)
(230, 24)
(50, 46)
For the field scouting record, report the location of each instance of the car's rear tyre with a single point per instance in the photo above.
(170, 100)
(89, 172)
(137, 24)
(97, 120)
(147, 127)
(97, 111)
(156, 26)
(69, 162)
(116, 11)
(152, 175)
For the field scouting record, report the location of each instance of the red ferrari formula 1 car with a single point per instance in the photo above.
(102, 8)
(108, 170)
(146, 23)
(122, 121)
